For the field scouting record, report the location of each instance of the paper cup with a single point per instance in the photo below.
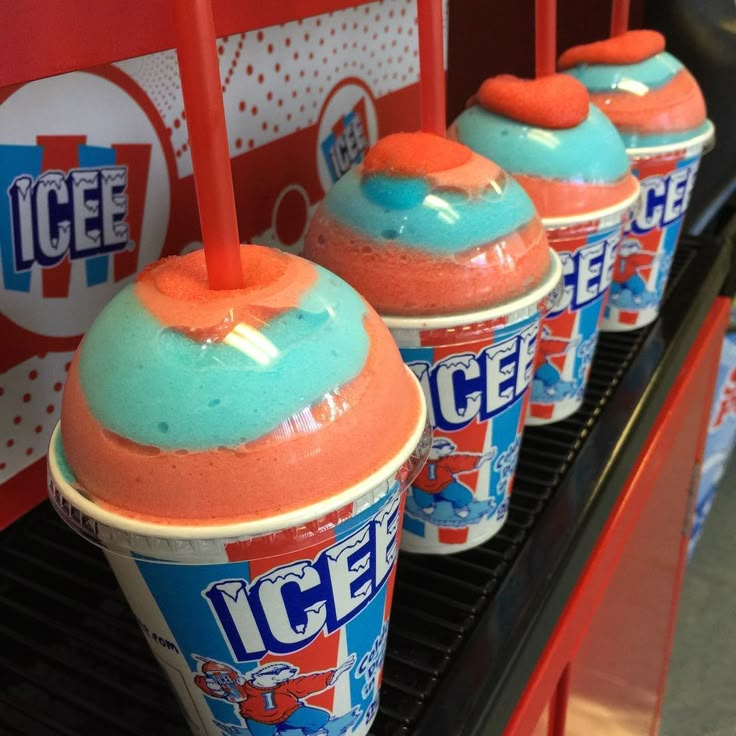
(667, 175)
(587, 246)
(475, 371)
(273, 624)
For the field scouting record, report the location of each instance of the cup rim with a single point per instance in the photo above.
(242, 529)
(557, 223)
(647, 151)
(516, 309)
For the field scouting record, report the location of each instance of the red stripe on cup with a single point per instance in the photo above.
(542, 411)
(453, 536)
(627, 318)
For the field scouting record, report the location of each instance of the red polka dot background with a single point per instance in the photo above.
(276, 80)
(30, 399)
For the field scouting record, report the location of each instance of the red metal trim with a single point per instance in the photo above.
(670, 636)
(584, 601)
(723, 305)
(48, 37)
(558, 705)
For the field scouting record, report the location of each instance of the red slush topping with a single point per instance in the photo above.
(629, 48)
(185, 277)
(175, 290)
(556, 101)
(414, 155)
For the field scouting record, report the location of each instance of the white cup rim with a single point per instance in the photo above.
(649, 151)
(243, 529)
(532, 298)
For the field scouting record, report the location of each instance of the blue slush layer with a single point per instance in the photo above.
(174, 393)
(636, 78)
(591, 152)
(403, 211)
(64, 468)
(642, 140)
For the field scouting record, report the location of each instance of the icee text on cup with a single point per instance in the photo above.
(284, 609)
(587, 273)
(664, 199)
(470, 385)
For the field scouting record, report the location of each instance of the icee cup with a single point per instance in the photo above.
(659, 110)
(449, 250)
(256, 548)
(572, 163)
(667, 175)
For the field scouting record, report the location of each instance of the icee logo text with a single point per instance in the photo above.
(587, 272)
(664, 199)
(81, 213)
(347, 142)
(284, 609)
(461, 387)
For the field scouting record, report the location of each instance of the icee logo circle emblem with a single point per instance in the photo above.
(84, 197)
(347, 128)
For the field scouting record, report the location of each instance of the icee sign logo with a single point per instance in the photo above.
(346, 142)
(284, 609)
(348, 126)
(81, 213)
(466, 386)
(664, 199)
(587, 272)
(85, 192)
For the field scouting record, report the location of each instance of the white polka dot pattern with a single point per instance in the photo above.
(276, 80)
(30, 400)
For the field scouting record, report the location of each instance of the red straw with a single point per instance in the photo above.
(205, 111)
(545, 26)
(619, 17)
(431, 66)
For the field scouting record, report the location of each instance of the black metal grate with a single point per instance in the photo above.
(73, 662)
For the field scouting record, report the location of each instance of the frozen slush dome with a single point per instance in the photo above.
(185, 404)
(646, 92)
(426, 227)
(565, 153)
